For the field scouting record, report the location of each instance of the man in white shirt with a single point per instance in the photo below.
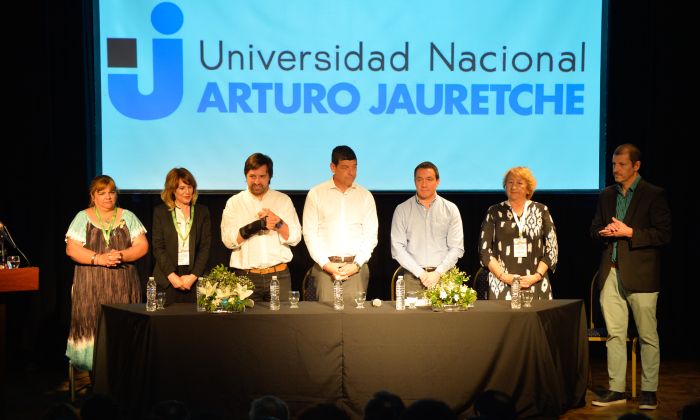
(427, 237)
(340, 228)
(260, 226)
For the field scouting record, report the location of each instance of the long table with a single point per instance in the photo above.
(314, 354)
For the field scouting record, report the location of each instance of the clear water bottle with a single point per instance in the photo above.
(515, 293)
(338, 303)
(400, 294)
(274, 294)
(151, 294)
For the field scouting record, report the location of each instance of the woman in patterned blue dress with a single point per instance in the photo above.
(518, 238)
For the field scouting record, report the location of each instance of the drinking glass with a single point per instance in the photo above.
(13, 261)
(294, 299)
(360, 300)
(160, 300)
(526, 295)
(411, 299)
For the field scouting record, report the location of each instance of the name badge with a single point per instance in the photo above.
(183, 258)
(520, 247)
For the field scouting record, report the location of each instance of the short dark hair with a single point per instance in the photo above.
(633, 151)
(427, 165)
(384, 406)
(257, 160)
(342, 153)
(268, 406)
(428, 409)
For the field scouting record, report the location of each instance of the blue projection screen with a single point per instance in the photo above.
(475, 87)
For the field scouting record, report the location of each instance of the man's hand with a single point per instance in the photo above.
(424, 278)
(334, 270)
(348, 270)
(432, 279)
(616, 229)
(272, 218)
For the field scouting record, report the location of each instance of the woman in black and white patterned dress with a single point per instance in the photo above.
(518, 238)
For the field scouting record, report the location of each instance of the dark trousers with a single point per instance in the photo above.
(262, 284)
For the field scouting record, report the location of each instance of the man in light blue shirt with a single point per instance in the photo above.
(426, 232)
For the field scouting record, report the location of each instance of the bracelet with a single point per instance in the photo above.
(92, 259)
(541, 275)
(500, 275)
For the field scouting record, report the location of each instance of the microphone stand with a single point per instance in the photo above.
(2, 249)
(6, 233)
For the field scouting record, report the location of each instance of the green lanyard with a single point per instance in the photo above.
(106, 233)
(187, 228)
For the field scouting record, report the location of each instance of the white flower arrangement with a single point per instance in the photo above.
(451, 290)
(222, 290)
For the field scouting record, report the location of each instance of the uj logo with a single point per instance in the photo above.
(166, 96)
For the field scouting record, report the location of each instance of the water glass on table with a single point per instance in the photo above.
(360, 298)
(412, 299)
(160, 300)
(294, 299)
(13, 261)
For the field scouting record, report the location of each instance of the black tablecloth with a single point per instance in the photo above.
(315, 354)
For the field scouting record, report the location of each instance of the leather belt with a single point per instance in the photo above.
(429, 269)
(268, 270)
(335, 259)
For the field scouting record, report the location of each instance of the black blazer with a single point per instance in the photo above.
(638, 257)
(165, 243)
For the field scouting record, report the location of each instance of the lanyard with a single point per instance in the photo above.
(106, 233)
(520, 221)
(188, 226)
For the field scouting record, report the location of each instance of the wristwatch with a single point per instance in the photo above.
(279, 224)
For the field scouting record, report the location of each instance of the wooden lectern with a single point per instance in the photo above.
(15, 280)
(19, 279)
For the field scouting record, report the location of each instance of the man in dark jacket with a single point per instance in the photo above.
(633, 221)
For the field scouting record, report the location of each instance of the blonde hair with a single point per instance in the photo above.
(524, 173)
(172, 181)
(98, 183)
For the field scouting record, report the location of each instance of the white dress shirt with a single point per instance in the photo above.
(267, 248)
(339, 223)
(183, 245)
(427, 237)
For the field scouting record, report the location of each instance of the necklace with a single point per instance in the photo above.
(188, 227)
(106, 233)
